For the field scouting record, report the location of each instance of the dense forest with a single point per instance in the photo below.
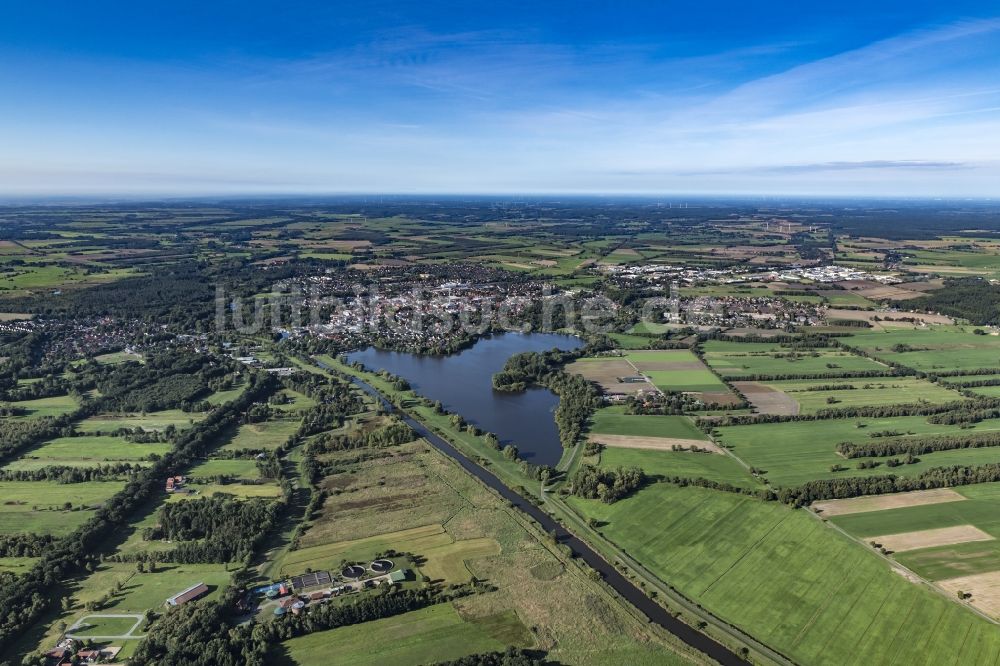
(972, 298)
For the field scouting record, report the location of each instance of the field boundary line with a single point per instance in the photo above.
(895, 564)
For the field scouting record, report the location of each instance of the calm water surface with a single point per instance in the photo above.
(463, 384)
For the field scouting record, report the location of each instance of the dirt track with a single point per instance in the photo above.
(652, 443)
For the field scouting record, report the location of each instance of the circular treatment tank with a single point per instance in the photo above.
(353, 571)
(381, 566)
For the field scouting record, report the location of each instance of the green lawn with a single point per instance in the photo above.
(791, 581)
(220, 397)
(429, 635)
(95, 625)
(144, 591)
(235, 467)
(626, 341)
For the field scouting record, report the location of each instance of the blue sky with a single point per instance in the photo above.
(855, 98)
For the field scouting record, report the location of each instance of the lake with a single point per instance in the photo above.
(463, 384)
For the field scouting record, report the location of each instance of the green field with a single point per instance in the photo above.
(151, 421)
(90, 450)
(614, 421)
(220, 397)
(794, 452)
(980, 510)
(118, 357)
(866, 391)
(779, 574)
(16, 565)
(723, 469)
(38, 506)
(938, 348)
(95, 625)
(433, 634)
(676, 370)
(262, 436)
(54, 406)
(627, 341)
(746, 359)
(241, 468)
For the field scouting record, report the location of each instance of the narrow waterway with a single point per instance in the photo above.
(656, 613)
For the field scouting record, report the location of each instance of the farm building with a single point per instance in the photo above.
(193, 592)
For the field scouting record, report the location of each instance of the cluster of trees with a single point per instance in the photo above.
(578, 398)
(24, 545)
(392, 433)
(173, 294)
(197, 634)
(966, 415)
(220, 528)
(865, 411)
(665, 404)
(938, 477)
(510, 657)
(365, 609)
(165, 381)
(16, 435)
(833, 374)
(45, 387)
(971, 298)
(607, 485)
(918, 445)
(69, 474)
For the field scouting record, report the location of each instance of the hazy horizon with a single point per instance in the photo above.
(887, 99)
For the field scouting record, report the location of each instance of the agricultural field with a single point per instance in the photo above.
(813, 395)
(943, 348)
(47, 507)
(431, 634)
(53, 406)
(794, 452)
(609, 372)
(676, 370)
(952, 542)
(264, 436)
(107, 423)
(87, 451)
(720, 550)
(667, 463)
(741, 360)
